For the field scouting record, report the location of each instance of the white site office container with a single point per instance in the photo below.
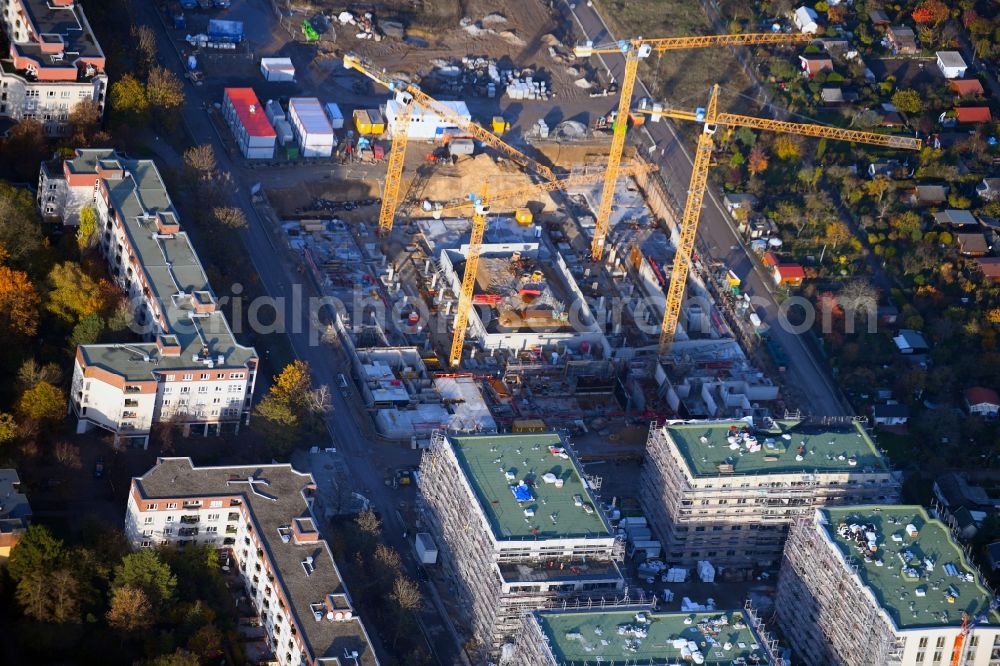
(427, 552)
(277, 69)
(284, 132)
(312, 129)
(425, 125)
(334, 115)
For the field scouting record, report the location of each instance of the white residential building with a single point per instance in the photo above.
(727, 491)
(517, 529)
(951, 64)
(805, 20)
(54, 62)
(882, 584)
(188, 369)
(262, 515)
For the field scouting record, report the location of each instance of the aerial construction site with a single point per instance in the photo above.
(547, 272)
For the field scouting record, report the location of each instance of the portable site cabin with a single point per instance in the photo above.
(334, 115)
(312, 130)
(277, 69)
(425, 125)
(248, 121)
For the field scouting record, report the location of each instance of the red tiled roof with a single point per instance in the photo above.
(990, 266)
(255, 122)
(973, 114)
(966, 86)
(978, 395)
(791, 271)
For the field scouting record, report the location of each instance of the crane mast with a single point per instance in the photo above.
(469, 277)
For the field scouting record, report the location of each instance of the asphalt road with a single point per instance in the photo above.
(717, 235)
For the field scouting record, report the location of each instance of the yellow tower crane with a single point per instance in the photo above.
(634, 50)
(480, 211)
(699, 181)
(408, 94)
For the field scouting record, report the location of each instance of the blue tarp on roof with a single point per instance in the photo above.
(521, 493)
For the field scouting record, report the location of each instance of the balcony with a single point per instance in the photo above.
(231, 529)
(190, 520)
(131, 403)
(187, 531)
(129, 415)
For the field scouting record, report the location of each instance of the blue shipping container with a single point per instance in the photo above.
(225, 31)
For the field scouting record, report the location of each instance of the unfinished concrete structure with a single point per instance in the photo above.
(638, 635)
(881, 584)
(726, 491)
(517, 528)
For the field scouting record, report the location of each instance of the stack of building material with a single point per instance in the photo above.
(706, 571)
(675, 575)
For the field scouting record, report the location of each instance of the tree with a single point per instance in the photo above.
(84, 121)
(907, 101)
(145, 49)
(69, 455)
(906, 225)
(165, 94)
(200, 159)
(86, 233)
(290, 407)
(369, 523)
(130, 609)
(878, 186)
(931, 12)
(31, 372)
(26, 146)
(206, 642)
(34, 593)
(229, 217)
(20, 233)
(65, 596)
(87, 331)
(837, 233)
(129, 102)
(73, 293)
(145, 571)
(787, 148)
(757, 162)
(18, 304)
(37, 551)
(178, 657)
(406, 595)
(42, 402)
(8, 428)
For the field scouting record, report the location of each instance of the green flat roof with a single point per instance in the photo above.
(705, 446)
(495, 463)
(578, 637)
(896, 590)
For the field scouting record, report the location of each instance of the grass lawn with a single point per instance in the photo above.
(899, 448)
(679, 77)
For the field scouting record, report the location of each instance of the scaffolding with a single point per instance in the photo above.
(824, 610)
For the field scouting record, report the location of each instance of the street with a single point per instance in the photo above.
(717, 233)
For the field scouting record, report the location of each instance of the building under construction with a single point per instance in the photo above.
(517, 528)
(883, 584)
(726, 491)
(638, 635)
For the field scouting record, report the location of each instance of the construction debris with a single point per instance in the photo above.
(483, 77)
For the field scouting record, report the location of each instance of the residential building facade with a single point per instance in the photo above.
(517, 529)
(53, 64)
(727, 491)
(186, 367)
(882, 584)
(262, 516)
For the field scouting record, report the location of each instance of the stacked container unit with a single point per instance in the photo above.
(335, 115)
(311, 127)
(248, 121)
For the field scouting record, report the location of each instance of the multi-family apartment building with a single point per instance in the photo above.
(727, 491)
(638, 635)
(54, 62)
(883, 584)
(15, 512)
(186, 366)
(517, 529)
(262, 516)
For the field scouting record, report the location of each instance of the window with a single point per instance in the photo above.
(170, 519)
(148, 520)
(185, 389)
(211, 529)
(202, 389)
(166, 402)
(167, 531)
(215, 504)
(187, 378)
(233, 388)
(171, 378)
(171, 505)
(237, 375)
(940, 642)
(145, 544)
(212, 516)
(150, 507)
(52, 93)
(920, 657)
(147, 533)
(204, 375)
(937, 656)
(216, 401)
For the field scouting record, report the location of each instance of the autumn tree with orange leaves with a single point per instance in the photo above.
(931, 12)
